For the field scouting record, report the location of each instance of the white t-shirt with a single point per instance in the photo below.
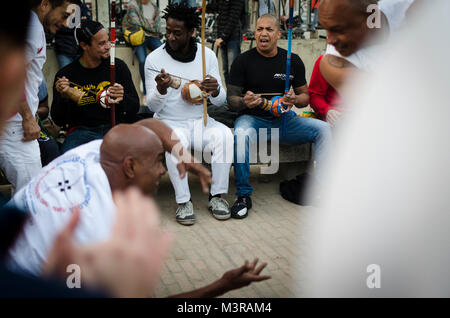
(171, 106)
(35, 48)
(149, 11)
(365, 58)
(74, 179)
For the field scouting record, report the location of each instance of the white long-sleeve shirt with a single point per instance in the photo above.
(171, 106)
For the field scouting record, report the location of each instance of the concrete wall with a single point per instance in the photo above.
(309, 50)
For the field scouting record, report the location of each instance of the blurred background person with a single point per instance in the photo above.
(143, 14)
(230, 21)
(66, 46)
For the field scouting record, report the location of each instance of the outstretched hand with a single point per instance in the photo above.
(198, 169)
(244, 275)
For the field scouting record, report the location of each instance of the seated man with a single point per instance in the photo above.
(324, 99)
(263, 69)
(86, 119)
(85, 179)
(354, 43)
(181, 55)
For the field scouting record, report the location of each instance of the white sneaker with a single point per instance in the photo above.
(185, 213)
(219, 208)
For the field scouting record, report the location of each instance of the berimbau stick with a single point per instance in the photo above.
(112, 58)
(205, 109)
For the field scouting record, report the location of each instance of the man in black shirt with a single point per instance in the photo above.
(263, 70)
(88, 120)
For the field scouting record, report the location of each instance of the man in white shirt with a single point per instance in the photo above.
(357, 34)
(85, 178)
(182, 56)
(19, 150)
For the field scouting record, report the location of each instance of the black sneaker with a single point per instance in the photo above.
(241, 206)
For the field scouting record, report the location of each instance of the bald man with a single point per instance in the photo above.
(355, 34)
(263, 69)
(86, 177)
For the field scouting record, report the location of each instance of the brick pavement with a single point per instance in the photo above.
(201, 253)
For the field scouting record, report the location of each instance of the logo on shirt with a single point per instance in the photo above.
(89, 98)
(282, 76)
(40, 50)
(63, 187)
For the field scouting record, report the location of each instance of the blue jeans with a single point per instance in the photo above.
(299, 130)
(82, 135)
(43, 92)
(63, 60)
(190, 3)
(152, 43)
(315, 21)
(229, 51)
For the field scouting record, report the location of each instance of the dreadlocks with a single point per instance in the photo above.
(181, 12)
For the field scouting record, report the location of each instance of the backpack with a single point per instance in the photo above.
(134, 36)
(295, 190)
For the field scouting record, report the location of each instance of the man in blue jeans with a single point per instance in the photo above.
(263, 70)
(190, 3)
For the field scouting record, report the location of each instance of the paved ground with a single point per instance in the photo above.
(203, 252)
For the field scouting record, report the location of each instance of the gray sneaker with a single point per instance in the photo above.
(219, 208)
(185, 213)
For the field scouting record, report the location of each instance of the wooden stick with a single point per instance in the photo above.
(269, 94)
(112, 58)
(75, 84)
(205, 109)
(151, 69)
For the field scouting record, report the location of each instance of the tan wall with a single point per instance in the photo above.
(308, 50)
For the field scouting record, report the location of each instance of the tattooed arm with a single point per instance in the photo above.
(235, 99)
(335, 70)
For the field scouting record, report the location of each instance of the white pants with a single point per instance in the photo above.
(215, 138)
(20, 161)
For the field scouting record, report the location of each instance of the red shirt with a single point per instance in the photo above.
(314, 4)
(322, 96)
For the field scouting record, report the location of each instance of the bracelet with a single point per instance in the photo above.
(266, 105)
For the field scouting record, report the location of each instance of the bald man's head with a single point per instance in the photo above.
(267, 33)
(132, 155)
(346, 23)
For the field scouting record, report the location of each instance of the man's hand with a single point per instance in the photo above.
(289, 100)
(129, 262)
(62, 85)
(218, 42)
(243, 276)
(333, 117)
(31, 129)
(199, 170)
(252, 100)
(115, 93)
(163, 81)
(210, 86)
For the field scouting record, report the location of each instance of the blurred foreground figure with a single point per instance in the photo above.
(383, 231)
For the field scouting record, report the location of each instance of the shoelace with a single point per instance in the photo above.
(219, 204)
(183, 211)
